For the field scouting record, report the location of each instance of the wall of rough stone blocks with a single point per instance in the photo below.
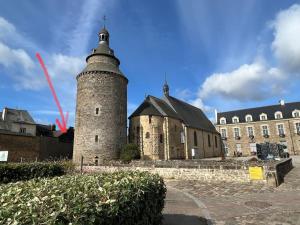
(210, 175)
(108, 92)
(171, 130)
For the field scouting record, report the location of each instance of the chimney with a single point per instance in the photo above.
(281, 102)
(4, 113)
(216, 116)
(53, 127)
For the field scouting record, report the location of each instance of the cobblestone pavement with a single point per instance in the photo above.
(248, 204)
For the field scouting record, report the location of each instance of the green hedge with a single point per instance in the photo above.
(127, 198)
(13, 172)
(129, 152)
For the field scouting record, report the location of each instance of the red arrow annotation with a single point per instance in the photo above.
(63, 126)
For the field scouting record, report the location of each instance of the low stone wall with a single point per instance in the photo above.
(215, 175)
(208, 172)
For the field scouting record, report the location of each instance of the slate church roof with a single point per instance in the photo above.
(169, 106)
(286, 109)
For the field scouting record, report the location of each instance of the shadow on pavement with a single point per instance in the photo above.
(181, 219)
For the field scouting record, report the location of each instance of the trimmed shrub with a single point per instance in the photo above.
(130, 152)
(125, 198)
(13, 172)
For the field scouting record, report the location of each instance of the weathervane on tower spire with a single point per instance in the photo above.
(166, 86)
(104, 20)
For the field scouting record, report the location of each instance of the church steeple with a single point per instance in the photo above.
(166, 88)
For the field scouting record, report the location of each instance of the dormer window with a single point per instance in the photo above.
(222, 120)
(263, 116)
(296, 113)
(278, 115)
(235, 119)
(248, 118)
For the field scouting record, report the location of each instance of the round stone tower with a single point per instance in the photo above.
(101, 110)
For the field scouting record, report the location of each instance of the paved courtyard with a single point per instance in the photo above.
(195, 202)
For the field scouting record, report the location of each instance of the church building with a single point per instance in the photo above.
(169, 128)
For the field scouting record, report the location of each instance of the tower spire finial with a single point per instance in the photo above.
(166, 86)
(165, 77)
(104, 21)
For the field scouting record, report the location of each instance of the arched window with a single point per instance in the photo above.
(248, 118)
(147, 135)
(296, 113)
(195, 139)
(223, 120)
(263, 116)
(235, 119)
(278, 115)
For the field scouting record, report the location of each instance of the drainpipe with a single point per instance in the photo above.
(293, 147)
(186, 143)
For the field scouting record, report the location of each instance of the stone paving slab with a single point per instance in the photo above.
(246, 204)
(180, 209)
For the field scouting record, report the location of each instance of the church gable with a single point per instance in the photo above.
(146, 108)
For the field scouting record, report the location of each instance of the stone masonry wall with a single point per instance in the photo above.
(292, 139)
(108, 92)
(214, 175)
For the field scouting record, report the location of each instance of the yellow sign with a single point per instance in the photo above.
(256, 173)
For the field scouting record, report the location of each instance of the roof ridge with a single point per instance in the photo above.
(259, 107)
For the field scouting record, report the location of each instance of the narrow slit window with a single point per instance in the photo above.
(97, 111)
(96, 138)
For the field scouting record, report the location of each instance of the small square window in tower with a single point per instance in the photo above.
(97, 111)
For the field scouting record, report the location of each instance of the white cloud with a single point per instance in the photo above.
(6, 28)
(63, 66)
(15, 57)
(254, 81)
(198, 102)
(91, 13)
(183, 94)
(286, 44)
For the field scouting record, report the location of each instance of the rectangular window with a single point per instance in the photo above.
(238, 148)
(250, 131)
(23, 130)
(278, 116)
(150, 119)
(265, 130)
(96, 138)
(97, 111)
(216, 141)
(208, 138)
(223, 133)
(225, 148)
(235, 120)
(253, 148)
(236, 132)
(280, 129)
(181, 137)
(263, 117)
(297, 127)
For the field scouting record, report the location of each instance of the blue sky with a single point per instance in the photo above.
(217, 54)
